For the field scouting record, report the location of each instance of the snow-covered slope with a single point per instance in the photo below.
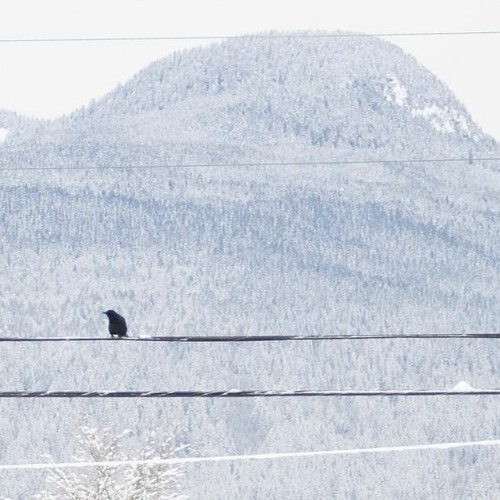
(335, 94)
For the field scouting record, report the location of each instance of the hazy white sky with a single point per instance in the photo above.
(48, 79)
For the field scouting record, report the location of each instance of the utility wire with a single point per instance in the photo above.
(260, 456)
(257, 338)
(247, 394)
(250, 37)
(259, 164)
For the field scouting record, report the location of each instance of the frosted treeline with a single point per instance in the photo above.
(304, 249)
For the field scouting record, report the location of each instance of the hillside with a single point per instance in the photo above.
(335, 94)
(371, 246)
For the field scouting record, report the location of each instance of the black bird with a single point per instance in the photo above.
(117, 325)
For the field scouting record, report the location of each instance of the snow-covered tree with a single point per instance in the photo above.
(141, 481)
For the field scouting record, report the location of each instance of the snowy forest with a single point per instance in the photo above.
(257, 186)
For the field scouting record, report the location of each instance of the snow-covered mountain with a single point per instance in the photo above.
(295, 246)
(344, 94)
(8, 121)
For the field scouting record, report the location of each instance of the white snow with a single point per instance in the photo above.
(3, 133)
(463, 386)
(260, 456)
(396, 92)
(442, 119)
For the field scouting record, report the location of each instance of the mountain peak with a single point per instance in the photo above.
(317, 89)
(329, 94)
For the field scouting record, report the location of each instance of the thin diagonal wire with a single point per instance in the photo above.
(258, 164)
(68, 394)
(259, 456)
(258, 338)
(256, 36)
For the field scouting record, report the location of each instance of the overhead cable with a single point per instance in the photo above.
(248, 37)
(380, 161)
(259, 456)
(68, 394)
(259, 338)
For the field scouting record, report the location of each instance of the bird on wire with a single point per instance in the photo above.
(117, 325)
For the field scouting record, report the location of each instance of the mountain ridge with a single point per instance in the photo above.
(339, 93)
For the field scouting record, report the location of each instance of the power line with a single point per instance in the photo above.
(250, 37)
(258, 338)
(258, 164)
(248, 394)
(260, 456)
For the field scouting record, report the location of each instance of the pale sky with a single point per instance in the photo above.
(49, 79)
